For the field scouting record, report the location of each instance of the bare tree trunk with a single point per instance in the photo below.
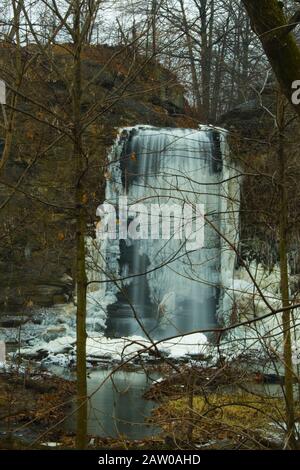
(205, 61)
(153, 26)
(219, 63)
(270, 24)
(81, 279)
(10, 121)
(17, 8)
(195, 82)
(245, 55)
(284, 279)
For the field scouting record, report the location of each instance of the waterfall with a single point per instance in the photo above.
(165, 287)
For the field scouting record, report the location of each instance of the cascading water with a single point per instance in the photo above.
(165, 287)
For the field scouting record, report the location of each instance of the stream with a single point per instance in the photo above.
(117, 407)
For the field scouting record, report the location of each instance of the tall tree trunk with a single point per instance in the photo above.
(205, 61)
(81, 280)
(153, 26)
(270, 24)
(10, 118)
(245, 55)
(195, 82)
(219, 64)
(284, 279)
(17, 8)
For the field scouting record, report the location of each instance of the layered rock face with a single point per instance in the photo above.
(254, 145)
(37, 183)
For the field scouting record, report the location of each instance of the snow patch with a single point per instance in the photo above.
(99, 347)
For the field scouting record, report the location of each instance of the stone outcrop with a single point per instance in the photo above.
(254, 145)
(37, 184)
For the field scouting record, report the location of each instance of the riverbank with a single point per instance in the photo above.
(227, 407)
(33, 406)
(154, 408)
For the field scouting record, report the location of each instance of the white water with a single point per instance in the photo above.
(183, 288)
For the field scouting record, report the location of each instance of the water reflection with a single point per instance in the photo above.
(117, 407)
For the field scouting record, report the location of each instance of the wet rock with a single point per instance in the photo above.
(10, 321)
(66, 279)
(98, 327)
(36, 355)
(37, 268)
(61, 360)
(60, 299)
(54, 332)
